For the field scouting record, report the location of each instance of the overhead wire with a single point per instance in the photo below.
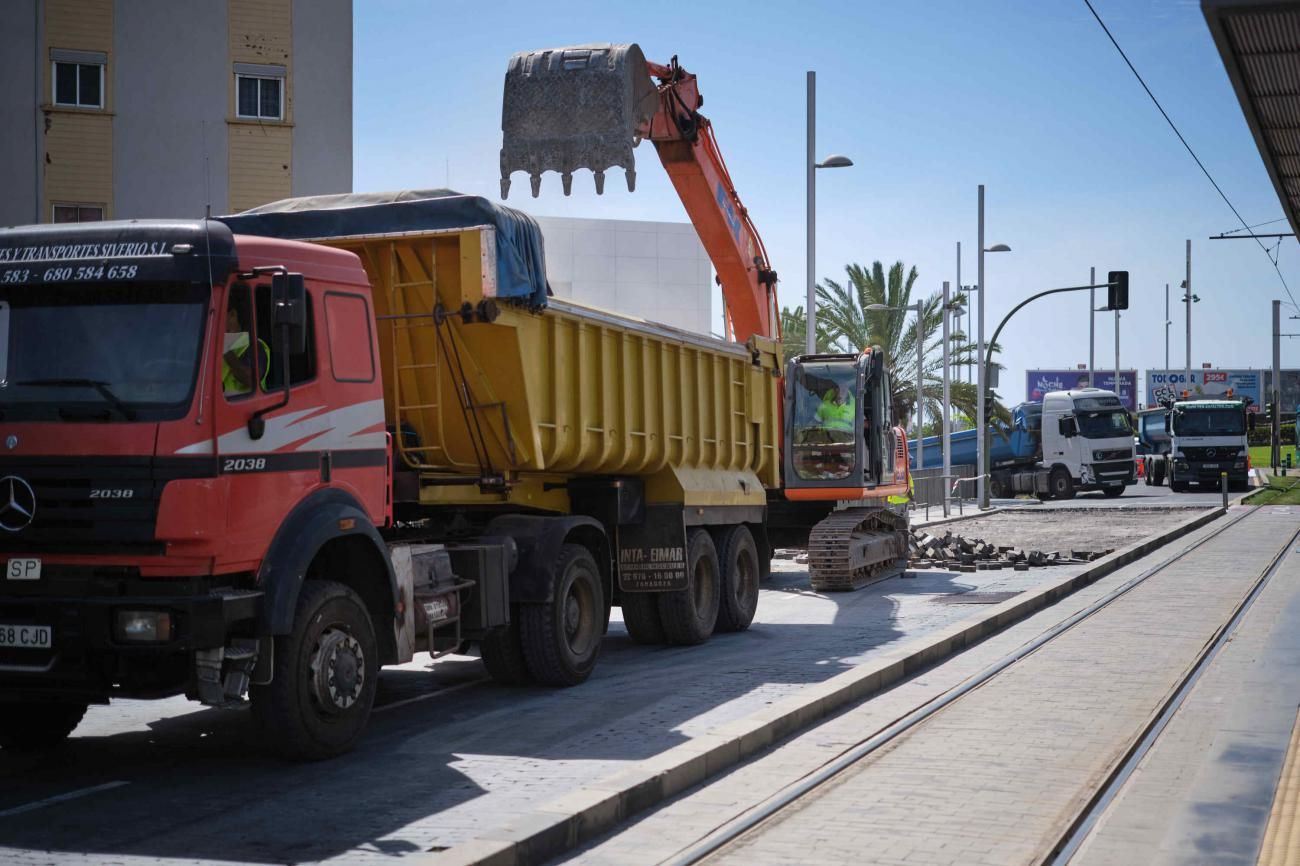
(1200, 164)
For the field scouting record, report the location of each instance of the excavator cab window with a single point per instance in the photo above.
(826, 412)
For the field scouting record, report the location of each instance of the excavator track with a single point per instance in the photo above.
(855, 547)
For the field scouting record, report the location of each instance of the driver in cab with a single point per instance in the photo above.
(236, 362)
(837, 409)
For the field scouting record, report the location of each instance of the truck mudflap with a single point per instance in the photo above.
(88, 657)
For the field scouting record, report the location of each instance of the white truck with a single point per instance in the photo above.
(1194, 441)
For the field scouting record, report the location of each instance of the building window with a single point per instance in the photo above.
(78, 213)
(259, 97)
(79, 84)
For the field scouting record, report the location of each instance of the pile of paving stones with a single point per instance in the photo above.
(955, 552)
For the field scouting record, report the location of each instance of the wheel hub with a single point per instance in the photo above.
(338, 670)
(572, 615)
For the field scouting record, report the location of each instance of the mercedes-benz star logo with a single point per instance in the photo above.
(17, 503)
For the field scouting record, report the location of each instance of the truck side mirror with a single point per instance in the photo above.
(288, 313)
(1067, 427)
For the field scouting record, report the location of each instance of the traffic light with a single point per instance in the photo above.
(1117, 297)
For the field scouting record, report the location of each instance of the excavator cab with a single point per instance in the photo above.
(839, 433)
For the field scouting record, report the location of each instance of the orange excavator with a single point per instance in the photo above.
(844, 462)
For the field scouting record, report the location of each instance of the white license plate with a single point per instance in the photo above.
(26, 636)
(23, 569)
(1211, 466)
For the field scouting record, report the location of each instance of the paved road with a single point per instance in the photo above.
(998, 776)
(449, 756)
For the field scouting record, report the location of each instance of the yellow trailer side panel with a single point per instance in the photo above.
(564, 392)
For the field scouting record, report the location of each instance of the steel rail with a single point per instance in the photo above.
(748, 820)
(1084, 823)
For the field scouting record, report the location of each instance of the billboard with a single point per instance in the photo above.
(1290, 389)
(1039, 382)
(1206, 383)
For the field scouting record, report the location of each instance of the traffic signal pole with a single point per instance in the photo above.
(1117, 300)
(1275, 393)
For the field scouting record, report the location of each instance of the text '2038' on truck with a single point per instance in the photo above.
(262, 456)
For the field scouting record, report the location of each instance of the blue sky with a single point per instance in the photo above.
(929, 100)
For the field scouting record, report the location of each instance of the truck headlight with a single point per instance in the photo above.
(142, 626)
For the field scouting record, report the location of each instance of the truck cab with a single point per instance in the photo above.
(1198, 441)
(1087, 442)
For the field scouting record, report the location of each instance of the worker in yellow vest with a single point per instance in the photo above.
(837, 410)
(236, 363)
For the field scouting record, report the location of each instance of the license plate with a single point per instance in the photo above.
(23, 569)
(1210, 465)
(26, 636)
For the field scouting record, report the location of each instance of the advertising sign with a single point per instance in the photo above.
(1039, 382)
(1290, 389)
(1212, 384)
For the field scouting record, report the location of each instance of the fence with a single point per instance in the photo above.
(928, 485)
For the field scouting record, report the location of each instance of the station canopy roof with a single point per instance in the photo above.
(1260, 46)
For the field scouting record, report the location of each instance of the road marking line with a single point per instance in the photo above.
(71, 795)
(425, 697)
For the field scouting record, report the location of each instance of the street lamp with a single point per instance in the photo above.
(832, 161)
(981, 441)
(1188, 299)
(920, 397)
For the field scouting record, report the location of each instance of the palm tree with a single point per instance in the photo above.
(845, 324)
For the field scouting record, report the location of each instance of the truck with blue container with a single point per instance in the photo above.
(1073, 441)
(1196, 442)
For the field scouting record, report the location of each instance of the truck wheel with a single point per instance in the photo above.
(688, 615)
(641, 616)
(561, 638)
(740, 571)
(503, 653)
(29, 727)
(1060, 483)
(996, 488)
(1159, 473)
(1112, 492)
(325, 673)
(1177, 486)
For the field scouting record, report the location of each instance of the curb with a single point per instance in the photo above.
(591, 810)
(939, 521)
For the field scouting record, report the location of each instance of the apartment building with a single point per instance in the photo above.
(115, 109)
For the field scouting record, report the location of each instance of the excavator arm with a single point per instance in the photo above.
(588, 106)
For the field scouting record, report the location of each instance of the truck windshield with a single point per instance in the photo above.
(825, 417)
(1209, 422)
(1104, 425)
(104, 352)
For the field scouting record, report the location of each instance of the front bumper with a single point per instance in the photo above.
(86, 661)
(1109, 474)
(1207, 473)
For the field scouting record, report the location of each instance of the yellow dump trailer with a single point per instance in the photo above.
(521, 401)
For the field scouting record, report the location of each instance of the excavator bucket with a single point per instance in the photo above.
(570, 108)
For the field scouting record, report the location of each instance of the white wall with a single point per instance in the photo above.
(655, 270)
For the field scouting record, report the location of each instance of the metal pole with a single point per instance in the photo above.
(1187, 299)
(1092, 328)
(1275, 392)
(1167, 322)
(920, 394)
(1117, 382)
(946, 432)
(959, 289)
(810, 341)
(980, 421)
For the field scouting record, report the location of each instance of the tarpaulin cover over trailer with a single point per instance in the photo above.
(520, 254)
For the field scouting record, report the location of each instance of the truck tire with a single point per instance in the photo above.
(561, 638)
(503, 653)
(689, 615)
(997, 487)
(740, 575)
(1061, 484)
(641, 616)
(1158, 473)
(1177, 486)
(1113, 492)
(325, 673)
(30, 727)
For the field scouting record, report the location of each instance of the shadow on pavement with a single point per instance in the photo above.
(201, 787)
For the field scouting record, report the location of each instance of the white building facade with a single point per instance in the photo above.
(653, 270)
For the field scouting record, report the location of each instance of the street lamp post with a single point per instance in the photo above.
(946, 421)
(920, 378)
(981, 440)
(1092, 329)
(832, 161)
(1168, 322)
